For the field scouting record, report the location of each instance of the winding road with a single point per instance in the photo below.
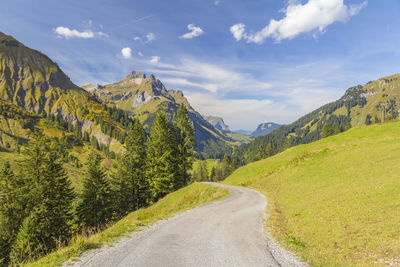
(227, 232)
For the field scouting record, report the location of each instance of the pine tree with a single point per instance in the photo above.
(269, 150)
(213, 175)
(260, 153)
(186, 144)
(95, 205)
(162, 158)
(10, 210)
(48, 218)
(326, 130)
(129, 184)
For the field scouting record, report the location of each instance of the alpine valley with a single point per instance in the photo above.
(33, 89)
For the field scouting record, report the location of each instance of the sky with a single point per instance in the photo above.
(248, 61)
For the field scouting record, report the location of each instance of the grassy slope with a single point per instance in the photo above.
(335, 201)
(240, 137)
(184, 199)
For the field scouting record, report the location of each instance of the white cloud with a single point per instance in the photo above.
(217, 2)
(210, 77)
(140, 54)
(154, 59)
(315, 15)
(150, 37)
(194, 32)
(238, 31)
(126, 52)
(137, 38)
(68, 33)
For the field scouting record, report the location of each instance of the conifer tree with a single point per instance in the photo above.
(186, 144)
(162, 158)
(10, 210)
(260, 153)
(326, 130)
(269, 150)
(95, 206)
(129, 184)
(213, 174)
(49, 218)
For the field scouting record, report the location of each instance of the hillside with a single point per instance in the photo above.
(360, 105)
(335, 202)
(32, 81)
(142, 97)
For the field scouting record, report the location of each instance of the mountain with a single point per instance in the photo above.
(218, 123)
(144, 96)
(265, 128)
(375, 102)
(32, 81)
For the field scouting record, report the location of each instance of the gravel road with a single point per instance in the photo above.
(227, 232)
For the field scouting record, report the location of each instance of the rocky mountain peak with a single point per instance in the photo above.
(136, 74)
(218, 123)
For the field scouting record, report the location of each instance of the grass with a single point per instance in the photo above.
(240, 137)
(184, 199)
(335, 202)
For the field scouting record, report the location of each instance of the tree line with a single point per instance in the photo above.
(40, 211)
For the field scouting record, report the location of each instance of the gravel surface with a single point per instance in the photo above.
(227, 232)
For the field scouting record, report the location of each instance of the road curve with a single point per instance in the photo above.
(227, 232)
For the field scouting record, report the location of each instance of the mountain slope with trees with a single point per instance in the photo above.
(375, 102)
(143, 97)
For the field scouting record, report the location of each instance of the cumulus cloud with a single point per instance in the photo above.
(137, 38)
(315, 15)
(194, 32)
(238, 31)
(155, 59)
(126, 52)
(67, 33)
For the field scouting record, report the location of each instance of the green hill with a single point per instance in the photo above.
(360, 105)
(336, 202)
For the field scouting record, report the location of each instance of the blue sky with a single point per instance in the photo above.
(248, 61)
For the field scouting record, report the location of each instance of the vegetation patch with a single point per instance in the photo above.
(184, 199)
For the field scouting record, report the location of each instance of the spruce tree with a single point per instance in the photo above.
(186, 144)
(213, 175)
(269, 150)
(48, 218)
(95, 205)
(326, 130)
(260, 153)
(10, 210)
(162, 160)
(129, 184)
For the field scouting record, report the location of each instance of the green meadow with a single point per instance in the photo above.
(335, 202)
